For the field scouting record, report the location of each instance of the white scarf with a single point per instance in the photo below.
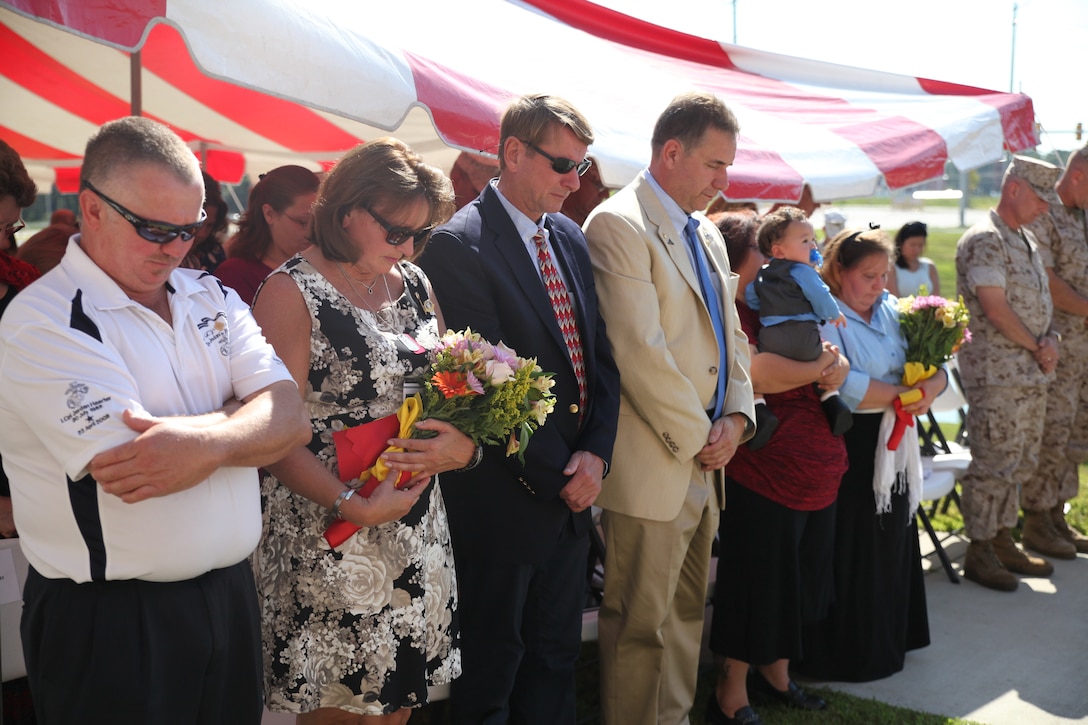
(906, 460)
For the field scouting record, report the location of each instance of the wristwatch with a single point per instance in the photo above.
(749, 427)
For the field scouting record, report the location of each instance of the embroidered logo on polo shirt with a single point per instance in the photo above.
(76, 392)
(85, 415)
(215, 332)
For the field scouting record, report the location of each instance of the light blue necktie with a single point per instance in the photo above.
(710, 296)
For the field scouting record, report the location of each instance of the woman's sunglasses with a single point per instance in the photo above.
(152, 231)
(397, 236)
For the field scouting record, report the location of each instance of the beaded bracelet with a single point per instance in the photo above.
(477, 456)
(343, 497)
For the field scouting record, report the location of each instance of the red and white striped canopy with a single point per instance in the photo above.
(252, 84)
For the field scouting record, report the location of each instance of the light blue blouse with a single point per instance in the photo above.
(875, 349)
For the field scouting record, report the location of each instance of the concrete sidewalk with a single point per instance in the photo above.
(996, 658)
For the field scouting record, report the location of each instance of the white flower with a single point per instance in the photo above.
(498, 372)
(543, 383)
(541, 409)
(367, 586)
(336, 694)
(396, 545)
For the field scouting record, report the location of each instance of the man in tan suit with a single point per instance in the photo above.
(666, 294)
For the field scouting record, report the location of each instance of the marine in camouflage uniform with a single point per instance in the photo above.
(1062, 235)
(1005, 370)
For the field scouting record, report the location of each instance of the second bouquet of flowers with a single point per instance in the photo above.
(486, 391)
(935, 328)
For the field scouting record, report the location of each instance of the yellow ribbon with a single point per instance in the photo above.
(407, 414)
(914, 373)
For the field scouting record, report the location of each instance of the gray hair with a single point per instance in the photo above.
(133, 141)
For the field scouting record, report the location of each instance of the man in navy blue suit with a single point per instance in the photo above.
(513, 268)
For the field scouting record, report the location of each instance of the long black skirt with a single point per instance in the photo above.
(879, 612)
(774, 575)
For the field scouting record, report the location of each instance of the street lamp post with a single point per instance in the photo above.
(1012, 59)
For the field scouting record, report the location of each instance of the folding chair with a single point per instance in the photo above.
(937, 484)
(947, 455)
(951, 400)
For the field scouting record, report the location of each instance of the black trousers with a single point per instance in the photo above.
(144, 653)
(521, 634)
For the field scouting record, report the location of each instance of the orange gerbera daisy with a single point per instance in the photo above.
(453, 384)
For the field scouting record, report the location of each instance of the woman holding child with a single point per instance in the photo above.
(777, 529)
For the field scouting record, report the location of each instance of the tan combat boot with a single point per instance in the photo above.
(1015, 559)
(1067, 532)
(1038, 534)
(981, 565)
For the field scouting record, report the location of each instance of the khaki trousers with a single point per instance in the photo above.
(1065, 433)
(1006, 429)
(651, 620)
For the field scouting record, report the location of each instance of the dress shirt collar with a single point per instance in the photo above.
(526, 227)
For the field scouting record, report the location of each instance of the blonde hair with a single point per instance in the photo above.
(529, 118)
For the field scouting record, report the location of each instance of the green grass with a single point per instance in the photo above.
(941, 248)
(1077, 517)
(973, 202)
(842, 709)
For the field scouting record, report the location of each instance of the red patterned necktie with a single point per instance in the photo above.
(564, 313)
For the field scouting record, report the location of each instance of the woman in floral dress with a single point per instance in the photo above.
(357, 633)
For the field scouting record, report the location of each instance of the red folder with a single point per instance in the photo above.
(357, 449)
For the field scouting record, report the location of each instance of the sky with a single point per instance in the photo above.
(960, 41)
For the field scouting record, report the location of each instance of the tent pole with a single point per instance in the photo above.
(136, 84)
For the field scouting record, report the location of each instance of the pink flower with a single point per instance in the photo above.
(921, 303)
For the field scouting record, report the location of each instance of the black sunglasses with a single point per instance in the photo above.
(397, 236)
(152, 231)
(561, 165)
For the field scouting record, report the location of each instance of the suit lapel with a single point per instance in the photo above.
(715, 254)
(671, 237)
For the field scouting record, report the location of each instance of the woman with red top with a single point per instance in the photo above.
(272, 230)
(777, 529)
(17, 191)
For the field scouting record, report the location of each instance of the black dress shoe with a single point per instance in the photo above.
(743, 716)
(838, 415)
(766, 425)
(794, 696)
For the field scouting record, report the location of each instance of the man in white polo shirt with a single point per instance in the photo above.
(136, 400)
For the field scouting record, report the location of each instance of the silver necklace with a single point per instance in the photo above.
(385, 317)
(369, 287)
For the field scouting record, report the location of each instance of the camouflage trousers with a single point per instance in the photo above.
(1005, 424)
(1065, 433)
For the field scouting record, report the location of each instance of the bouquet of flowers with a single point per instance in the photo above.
(485, 391)
(935, 329)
